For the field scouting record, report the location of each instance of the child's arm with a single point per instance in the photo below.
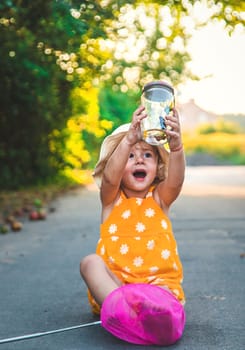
(114, 168)
(170, 188)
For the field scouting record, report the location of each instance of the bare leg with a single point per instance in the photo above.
(99, 279)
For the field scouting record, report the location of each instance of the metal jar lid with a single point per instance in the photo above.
(158, 84)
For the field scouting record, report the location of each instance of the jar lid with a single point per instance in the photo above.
(158, 84)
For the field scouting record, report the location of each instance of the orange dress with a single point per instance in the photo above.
(138, 245)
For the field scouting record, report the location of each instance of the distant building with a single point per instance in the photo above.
(192, 116)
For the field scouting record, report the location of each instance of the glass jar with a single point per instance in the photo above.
(158, 100)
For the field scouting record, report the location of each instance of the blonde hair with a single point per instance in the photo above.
(109, 145)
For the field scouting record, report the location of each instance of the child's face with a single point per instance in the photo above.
(141, 168)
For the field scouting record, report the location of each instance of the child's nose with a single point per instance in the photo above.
(139, 159)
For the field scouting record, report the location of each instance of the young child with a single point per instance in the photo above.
(139, 182)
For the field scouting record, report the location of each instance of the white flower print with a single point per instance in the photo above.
(176, 251)
(124, 249)
(114, 238)
(176, 292)
(150, 244)
(137, 238)
(154, 269)
(159, 280)
(149, 212)
(164, 224)
(126, 269)
(138, 261)
(112, 228)
(140, 227)
(175, 267)
(111, 260)
(165, 254)
(126, 214)
(102, 250)
(139, 201)
(150, 279)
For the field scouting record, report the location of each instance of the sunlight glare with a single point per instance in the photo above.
(219, 60)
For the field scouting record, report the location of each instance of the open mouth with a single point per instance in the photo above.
(139, 174)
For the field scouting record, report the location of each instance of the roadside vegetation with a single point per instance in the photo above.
(224, 140)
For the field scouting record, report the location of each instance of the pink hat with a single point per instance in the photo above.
(143, 314)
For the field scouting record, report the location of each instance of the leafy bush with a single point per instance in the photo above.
(221, 126)
(225, 146)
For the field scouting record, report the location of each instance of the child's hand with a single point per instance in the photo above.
(174, 134)
(134, 133)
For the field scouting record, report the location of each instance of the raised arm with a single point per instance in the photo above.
(114, 168)
(170, 188)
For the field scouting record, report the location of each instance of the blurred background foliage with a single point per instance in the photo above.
(72, 70)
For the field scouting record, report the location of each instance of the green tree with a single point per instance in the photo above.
(148, 42)
(39, 42)
(148, 39)
(117, 106)
(34, 94)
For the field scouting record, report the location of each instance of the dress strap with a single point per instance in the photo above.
(150, 192)
(122, 195)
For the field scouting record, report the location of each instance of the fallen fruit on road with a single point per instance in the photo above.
(4, 229)
(34, 215)
(42, 214)
(16, 226)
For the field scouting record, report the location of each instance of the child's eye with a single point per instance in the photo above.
(147, 155)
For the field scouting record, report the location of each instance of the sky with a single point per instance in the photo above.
(220, 60)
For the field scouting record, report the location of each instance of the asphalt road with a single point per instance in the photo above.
(41, 289)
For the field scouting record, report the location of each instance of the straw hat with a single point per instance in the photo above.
(109, 145)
